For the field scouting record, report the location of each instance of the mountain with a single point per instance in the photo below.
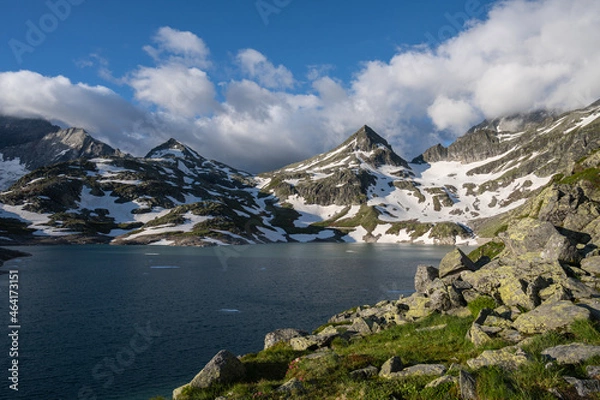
(361, 191)
(27, 144)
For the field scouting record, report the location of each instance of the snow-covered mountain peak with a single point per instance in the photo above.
(173, 149)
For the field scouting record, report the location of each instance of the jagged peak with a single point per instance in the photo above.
(366, 138)
(173, 148)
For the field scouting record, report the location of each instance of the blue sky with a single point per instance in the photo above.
(258, 84)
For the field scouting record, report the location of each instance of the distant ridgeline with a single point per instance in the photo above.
(67, 187)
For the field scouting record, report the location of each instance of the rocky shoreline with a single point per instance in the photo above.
(532, 281)
(8, 254)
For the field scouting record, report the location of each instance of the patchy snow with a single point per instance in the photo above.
(355, 236)
(37, 221)
(273, 234)
(120, 212)
(311, 213)
(12, 170)
(584, 122)
(214, 241)
(162, 242)
(133, 182)
(190, 221)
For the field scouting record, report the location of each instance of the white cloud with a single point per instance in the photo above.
(255, 65)
(525, 55)
(455, 115)
(95, 108)
(181, 47)
(175, 88)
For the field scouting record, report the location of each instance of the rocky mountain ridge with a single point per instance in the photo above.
(361, 191)
(28, 144)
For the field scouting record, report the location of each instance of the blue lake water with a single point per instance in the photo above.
(130, 323)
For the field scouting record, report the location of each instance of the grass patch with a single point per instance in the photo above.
(480, 303)
(486, 253)
(447, 345)
(367, 217)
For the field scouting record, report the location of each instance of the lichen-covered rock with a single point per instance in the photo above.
(573, 353)
(593, 306)
(562, 249)
(477, 335)
(591, 265)
(362, 326)
(424, 276)
(282, 335)
(419, 370)
(509, 358)
(548, 317)
(224, 367)
(391, 366)
(311, 342)
(419, 306)
(292, 386)
(468, 386)
(513, 292)
(584, 387)
(528, 235)
(454, 263)
(593, 371)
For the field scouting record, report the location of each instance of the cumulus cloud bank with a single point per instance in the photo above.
(524, 55)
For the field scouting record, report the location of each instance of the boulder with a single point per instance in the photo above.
(528, 235)
(477, 335)
(573, 353)
(513, 292)
(419, 306)
(224, 367)
(419, 370)
(282, 335)
(562, 249)
(593, 371)
(311, 342)
(468, 386)
(547, 317)
(364, 373)
(584, 387)
(362, 326)
(509, 358)
(593, 306)
(591, 265)
(291, 386)
(424, 276)
(454, 263)
(391, 366)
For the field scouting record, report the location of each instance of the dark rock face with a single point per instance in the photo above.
(16, 131)
(36, 143)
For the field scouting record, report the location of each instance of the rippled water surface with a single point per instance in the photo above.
(129, 323)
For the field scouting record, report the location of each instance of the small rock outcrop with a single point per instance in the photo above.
(547, 317)
(282, 335)
(573, 353)
(223, 368)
